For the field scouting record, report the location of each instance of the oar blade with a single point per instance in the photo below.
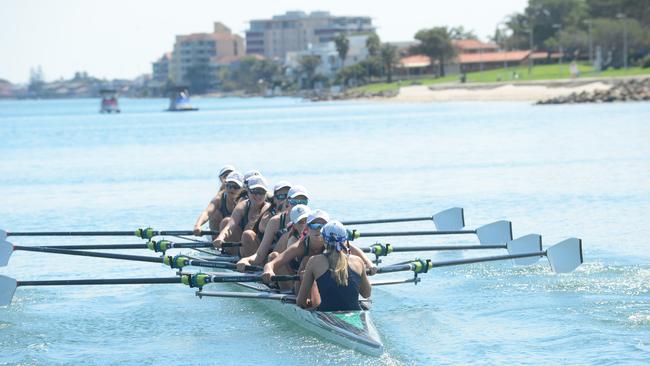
(531, 243)
(7, 289)
(565, 256)
(3, 234)
(6, 248)
(451, 219)
(499, 232)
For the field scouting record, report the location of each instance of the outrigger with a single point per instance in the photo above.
(351, 329)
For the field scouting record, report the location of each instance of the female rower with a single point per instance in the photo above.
(244, 215)
(340, 276)
(296, 255)
(222, 205)
(248, 174)
(277, 232)
(250, 239)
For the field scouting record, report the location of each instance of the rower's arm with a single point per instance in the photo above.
(265, 246)
(236, 217)
(365, 289)
(205, 215)
(292, 252)
(359, 253)
(305, 285)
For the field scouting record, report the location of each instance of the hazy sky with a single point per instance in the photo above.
(120, 38)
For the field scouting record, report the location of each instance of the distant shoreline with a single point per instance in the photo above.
(530, 91)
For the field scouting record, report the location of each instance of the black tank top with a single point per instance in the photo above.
(244, 220)
(339, 298)
(224, 206)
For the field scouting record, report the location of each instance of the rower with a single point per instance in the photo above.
(296, 255)
(251, 239)
(247, 175)
(244, 216)
(339, 276)
(277, 230)
(222, 205)
(223, 174)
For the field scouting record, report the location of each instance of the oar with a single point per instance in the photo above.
(563, 257)
(178, 261)
(498, 232)
(8, 285)
(449, 219)
(146, 233)
(160, 246)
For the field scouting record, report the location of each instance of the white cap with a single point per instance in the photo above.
(257, 181)
(298, 213)
(281, 184)
(318, 214)
(225, 169)
(250, 173)
(334, 232)
(296, 191)
(235, 177)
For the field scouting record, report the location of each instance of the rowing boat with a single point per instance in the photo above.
(350, 329)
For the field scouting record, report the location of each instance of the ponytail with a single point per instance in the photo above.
(338, 265)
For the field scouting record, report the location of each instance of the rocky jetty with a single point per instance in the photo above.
(317, 97)
(620, 91)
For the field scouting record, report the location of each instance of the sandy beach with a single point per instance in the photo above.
(530, 91)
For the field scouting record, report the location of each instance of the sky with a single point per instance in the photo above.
(121, 38)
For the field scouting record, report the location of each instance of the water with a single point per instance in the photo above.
(559, 171)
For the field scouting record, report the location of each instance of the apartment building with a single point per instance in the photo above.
(296, 31)
(160, 68)
(209, 50)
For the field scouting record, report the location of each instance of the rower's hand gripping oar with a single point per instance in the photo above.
(8, 285)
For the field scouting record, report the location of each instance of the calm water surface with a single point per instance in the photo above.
(559, 171)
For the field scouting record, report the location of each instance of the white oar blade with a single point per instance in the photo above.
(499, 232)
(451, 219)
(7, 289)
(531, 243)
(3, 235)
(565, 256)
(6, 248)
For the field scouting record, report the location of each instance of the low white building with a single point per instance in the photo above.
(330, 62)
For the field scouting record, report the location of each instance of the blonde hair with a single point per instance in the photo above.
(338, 265)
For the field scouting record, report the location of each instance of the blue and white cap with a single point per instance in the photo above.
(257, 181)
(226, 169)
(281, 184)
(235, 177)
(335, 235)
(299, 212)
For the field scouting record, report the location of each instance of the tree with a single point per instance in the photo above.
(460, 33)
(436, 44)
(200, 78)
(389, 58)
(342, 47)
(636, 9)
(373, 44)
(308, 66)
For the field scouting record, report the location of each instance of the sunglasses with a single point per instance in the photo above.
(232, 186)
(315, 226)
(281, 197)
(294, 202)
(258, 192)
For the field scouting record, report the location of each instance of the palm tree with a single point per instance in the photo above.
(436, 44)
(342, 47)
(389, 59)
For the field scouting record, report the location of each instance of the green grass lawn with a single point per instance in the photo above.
(511, 74)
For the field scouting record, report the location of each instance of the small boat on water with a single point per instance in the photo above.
(179, 100)
(109, 101)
